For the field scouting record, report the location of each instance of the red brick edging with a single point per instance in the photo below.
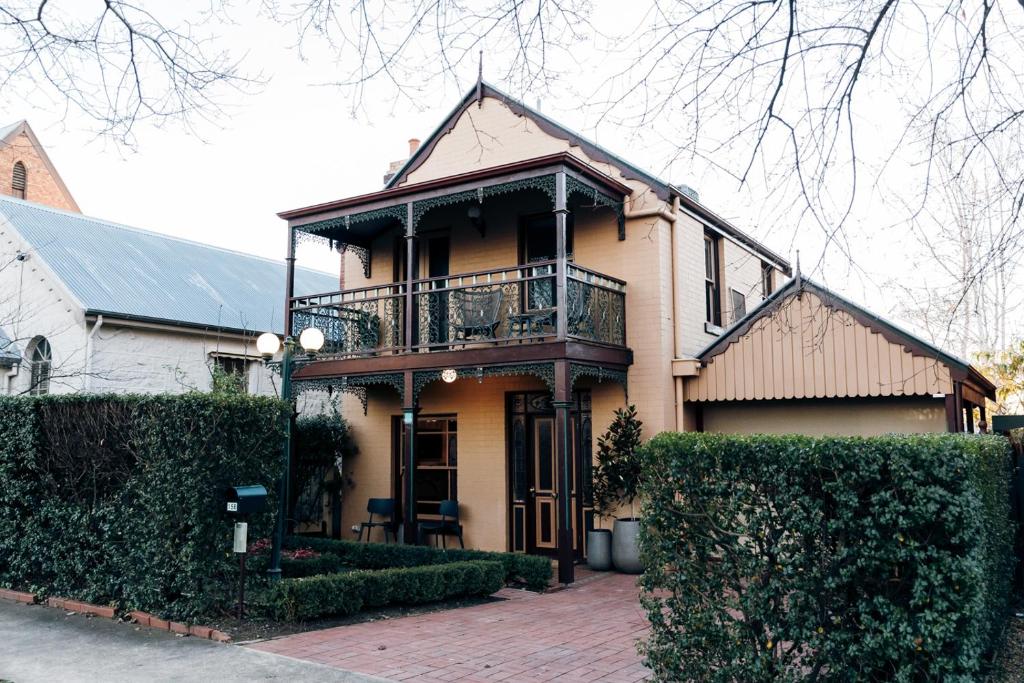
(148, 620)
(17, 596)
(81, 607)
(140, 618)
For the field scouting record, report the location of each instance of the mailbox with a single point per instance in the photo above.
(245, 500)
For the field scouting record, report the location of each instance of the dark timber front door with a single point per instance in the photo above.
(533, 472)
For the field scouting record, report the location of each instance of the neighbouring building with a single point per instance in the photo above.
(26, 171)
(89, 305)
(513, 284)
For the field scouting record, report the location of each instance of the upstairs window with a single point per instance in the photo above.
(712, 281)
(739, 305)
(19, 180)
(767, 280)
(41, 363)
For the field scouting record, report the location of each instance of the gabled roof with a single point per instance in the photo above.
(661, 189)
(890, 331)
(128, 273)
(10, 132)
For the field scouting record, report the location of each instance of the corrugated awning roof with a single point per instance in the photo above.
(121, 271)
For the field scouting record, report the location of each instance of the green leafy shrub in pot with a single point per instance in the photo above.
(617, 484)
(776, 558)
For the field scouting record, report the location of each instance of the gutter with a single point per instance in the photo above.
(89, 350)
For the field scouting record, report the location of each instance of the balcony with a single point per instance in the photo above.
(489, 309)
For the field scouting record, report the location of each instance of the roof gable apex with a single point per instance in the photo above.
(892, 333)
(484, 90)
(11, 132)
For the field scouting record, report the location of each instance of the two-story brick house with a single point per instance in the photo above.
(513, 284)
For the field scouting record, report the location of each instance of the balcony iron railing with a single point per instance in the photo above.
(515, 305)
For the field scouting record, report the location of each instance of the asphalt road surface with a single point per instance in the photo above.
(45, 644)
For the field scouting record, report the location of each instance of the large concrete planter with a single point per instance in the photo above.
(626, 546)
(599, 550)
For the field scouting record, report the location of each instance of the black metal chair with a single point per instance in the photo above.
(479, 313)
(382, 507)
(580, 302)
(448, 525)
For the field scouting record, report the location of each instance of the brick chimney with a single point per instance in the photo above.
(414, 144)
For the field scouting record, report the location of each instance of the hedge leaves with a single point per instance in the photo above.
(119, 499)
(774, 558)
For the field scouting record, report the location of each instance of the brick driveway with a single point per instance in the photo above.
(584, 633)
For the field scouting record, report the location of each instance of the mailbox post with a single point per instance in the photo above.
(240, 502)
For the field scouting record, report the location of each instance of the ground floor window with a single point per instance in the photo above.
(436, 455)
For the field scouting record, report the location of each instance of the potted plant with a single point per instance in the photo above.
(616, 484)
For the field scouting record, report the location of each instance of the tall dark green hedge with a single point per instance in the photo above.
(776, 558)
(119, 499)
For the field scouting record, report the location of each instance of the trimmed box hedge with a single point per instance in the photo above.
(775, 558)
(531, 570)
(119, 499)
(327, 595)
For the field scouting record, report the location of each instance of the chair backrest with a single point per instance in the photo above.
(450, 510)
(384, 507)
(479, 308)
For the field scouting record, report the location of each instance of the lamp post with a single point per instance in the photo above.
(311, 340)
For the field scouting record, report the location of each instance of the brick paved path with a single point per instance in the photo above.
(584, 633)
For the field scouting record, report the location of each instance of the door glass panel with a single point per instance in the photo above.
(545, 456)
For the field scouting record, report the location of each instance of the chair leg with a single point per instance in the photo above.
(461, 544)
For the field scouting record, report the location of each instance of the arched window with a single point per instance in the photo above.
(19, 180)
(41, 361)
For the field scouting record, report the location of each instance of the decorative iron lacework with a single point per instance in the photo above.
(396, 212)
(420, 380)
(544, 183)
(362, 253)
(544, 371)
(577, 370)
(353, 385)
(574, 185)
(330, 385)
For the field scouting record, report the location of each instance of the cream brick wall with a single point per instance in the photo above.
(742, 272)
(136, 359)
(41, 186)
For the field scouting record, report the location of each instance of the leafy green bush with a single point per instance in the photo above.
(119, 499)
(617, 475)
(340, 594)
(323, 443)
(775, 558)
(531, 570)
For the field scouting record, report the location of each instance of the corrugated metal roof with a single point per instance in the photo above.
(123, 271)
(7, 130)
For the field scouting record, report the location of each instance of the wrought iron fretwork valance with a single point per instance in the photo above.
(544, 371)
(575, 186)
(332, 231)
(578, 370)
(354, 385)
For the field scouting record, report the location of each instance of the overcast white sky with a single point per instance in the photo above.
(294, 143)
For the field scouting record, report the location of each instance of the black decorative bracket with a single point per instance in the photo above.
(577, 370)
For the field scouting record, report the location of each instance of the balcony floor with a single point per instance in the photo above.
(474, 356)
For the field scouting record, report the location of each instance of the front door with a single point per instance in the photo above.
(533, 472)
(543, 484)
